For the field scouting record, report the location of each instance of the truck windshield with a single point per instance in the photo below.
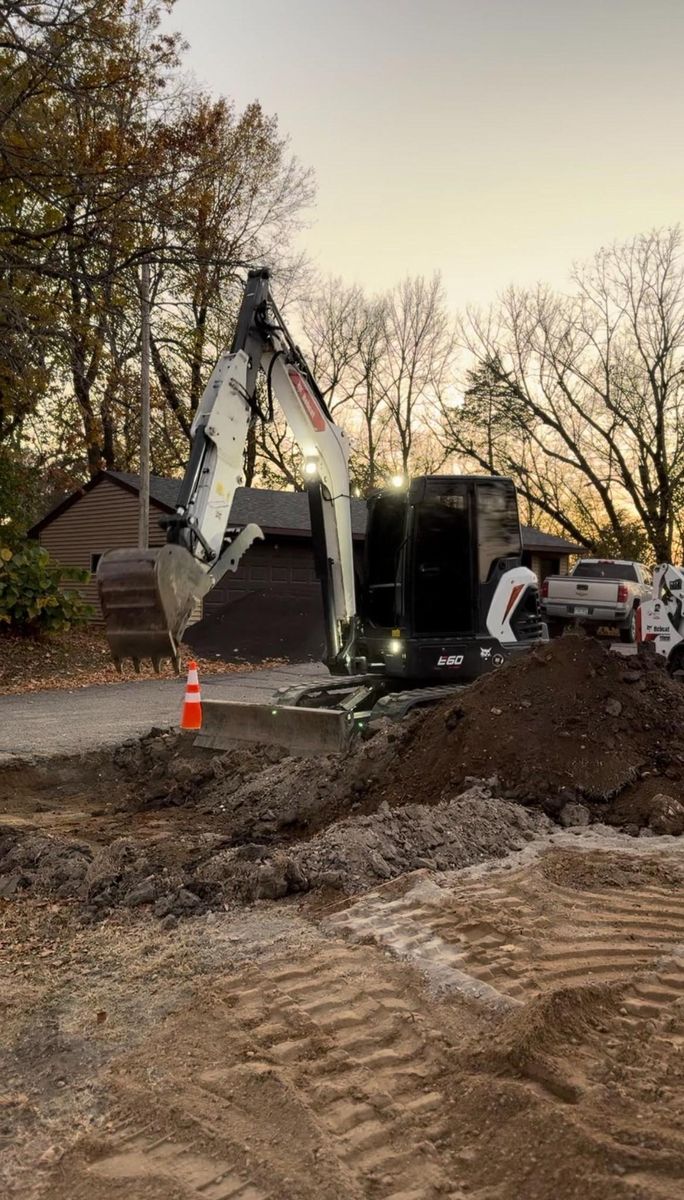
(606, 570)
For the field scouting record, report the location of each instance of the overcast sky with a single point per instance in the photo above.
(494, 140)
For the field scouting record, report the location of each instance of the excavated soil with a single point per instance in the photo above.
(570, 720)
(185, 834)
(509, 1030)
(431, 968)
(572, 734)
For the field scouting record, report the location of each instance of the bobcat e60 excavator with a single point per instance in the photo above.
(441, 597)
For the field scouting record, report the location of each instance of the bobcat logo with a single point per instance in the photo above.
(485, 652)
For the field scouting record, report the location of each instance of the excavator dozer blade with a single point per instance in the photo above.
(147, 597)
(301, 730)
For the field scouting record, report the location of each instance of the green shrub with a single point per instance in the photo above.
(32, 600)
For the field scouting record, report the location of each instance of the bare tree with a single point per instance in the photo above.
(580, 396)
(417, 368)
(237, 198)
(346, 339)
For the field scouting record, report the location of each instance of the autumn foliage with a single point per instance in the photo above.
(33, 601)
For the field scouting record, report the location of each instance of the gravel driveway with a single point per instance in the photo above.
(65, 722)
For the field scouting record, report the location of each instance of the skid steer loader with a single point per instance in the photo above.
(660, 620)
(442, 598)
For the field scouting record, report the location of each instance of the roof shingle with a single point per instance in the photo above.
(285, 512)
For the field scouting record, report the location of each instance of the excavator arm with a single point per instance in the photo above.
(147, 596)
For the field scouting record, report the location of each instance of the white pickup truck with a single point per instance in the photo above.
(599, 591)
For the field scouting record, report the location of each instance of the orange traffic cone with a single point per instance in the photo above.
(191, 716)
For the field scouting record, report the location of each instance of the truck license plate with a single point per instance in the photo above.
(581, 611)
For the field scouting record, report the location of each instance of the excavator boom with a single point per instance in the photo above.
(147, 595)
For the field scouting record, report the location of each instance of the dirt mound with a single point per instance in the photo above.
(354, 854)
(185, 877)
(600, 870)
(572, 720)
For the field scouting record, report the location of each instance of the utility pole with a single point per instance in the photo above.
(144, 499)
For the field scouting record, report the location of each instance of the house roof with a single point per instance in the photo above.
(536, 539)
(283, 513)
(275, 512)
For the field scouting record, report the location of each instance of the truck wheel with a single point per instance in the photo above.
(628, 634)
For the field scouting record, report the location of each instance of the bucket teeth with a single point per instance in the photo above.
(147, 597)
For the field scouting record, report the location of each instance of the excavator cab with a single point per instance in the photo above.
(445, 594)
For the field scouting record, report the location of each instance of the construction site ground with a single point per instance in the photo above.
(423, 970)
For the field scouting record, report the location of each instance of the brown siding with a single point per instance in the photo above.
(105, 518)
(544, 564)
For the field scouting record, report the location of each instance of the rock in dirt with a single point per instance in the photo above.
(142, 893)
(180, 903)
(667, 815)
(574, 814)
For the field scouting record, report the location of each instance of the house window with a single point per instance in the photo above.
(94, 560)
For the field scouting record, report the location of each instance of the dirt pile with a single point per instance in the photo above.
(185, 877)
(571, 721)
(573, 728)
(353, 854)
(165, 769)
(572, 732)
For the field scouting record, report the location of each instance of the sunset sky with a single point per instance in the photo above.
(494, 140)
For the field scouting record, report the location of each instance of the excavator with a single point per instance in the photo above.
(440, 597)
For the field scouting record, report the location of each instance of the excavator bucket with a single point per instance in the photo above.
(147, 597)
(301, 730)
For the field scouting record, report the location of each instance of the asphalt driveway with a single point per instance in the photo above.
(40, 724)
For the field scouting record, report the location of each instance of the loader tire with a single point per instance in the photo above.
(629, 633)
(675, 664)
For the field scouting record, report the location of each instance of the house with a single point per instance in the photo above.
(103, 515)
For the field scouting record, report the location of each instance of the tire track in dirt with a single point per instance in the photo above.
(535, 1052)
(329, 1056)
(177, 1165)
(587, 990)
(512, 940)
(352, 1043)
